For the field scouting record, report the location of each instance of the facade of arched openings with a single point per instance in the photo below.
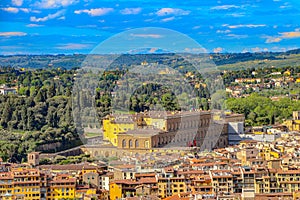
(96, 153)
(124, 143)
(136, 143)
(166, 140)
(130, 144)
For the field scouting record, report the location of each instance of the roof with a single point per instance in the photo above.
(145, 175)
(68, 167)
(148, 180)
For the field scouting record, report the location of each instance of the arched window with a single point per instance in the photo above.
(136, 143)
(123, 143)
(130, 143)
(146, 144)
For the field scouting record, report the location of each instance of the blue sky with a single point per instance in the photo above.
(78, 26)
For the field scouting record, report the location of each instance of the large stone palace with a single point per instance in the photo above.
(157, 131)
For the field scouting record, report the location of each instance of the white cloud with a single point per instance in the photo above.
(256, 49)
(168, 19)
(273, 39)
(95, 11)
(218, 49)
(284, 35)
(172, 11)
(244, 26)
(26, 10)
(265, 49)
(130, 11)
(17, 2)
(11, 9)
(11, 34)
(73, 46)
(223, 31)
(48, 17)
(235, 36)
(147, 35)
(16, 10)
(33, 25)
(236, 14)
(55, 3)
(224, 7)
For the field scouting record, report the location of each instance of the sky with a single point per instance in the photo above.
(78, 26)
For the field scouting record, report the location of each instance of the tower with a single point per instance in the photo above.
(33, 158)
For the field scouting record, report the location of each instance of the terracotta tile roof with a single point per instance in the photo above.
(71, 167)
(148, 180)
(191, 172)
(145, 175)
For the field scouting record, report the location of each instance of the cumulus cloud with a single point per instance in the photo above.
(16, 10)
(11, 9)
(172, 11)
(284, 35)
(273, 39)
(293, 34)
(55, 3)
(218, 49)
(95, 11)
(224, 7)
(48, 17)
(11, 34)
(130, 11)
(147, 35)
(17, 2)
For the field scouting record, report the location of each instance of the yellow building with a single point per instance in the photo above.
(113, 125)
(168, 186)
(22, 183)
(202, 185)
(122, 188)
(62, 187)
(288, 180)
(33, 184)
(294, 124)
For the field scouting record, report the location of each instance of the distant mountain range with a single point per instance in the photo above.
(222, 60)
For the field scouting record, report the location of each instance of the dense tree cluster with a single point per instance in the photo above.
(40, 114)
(260, 110)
